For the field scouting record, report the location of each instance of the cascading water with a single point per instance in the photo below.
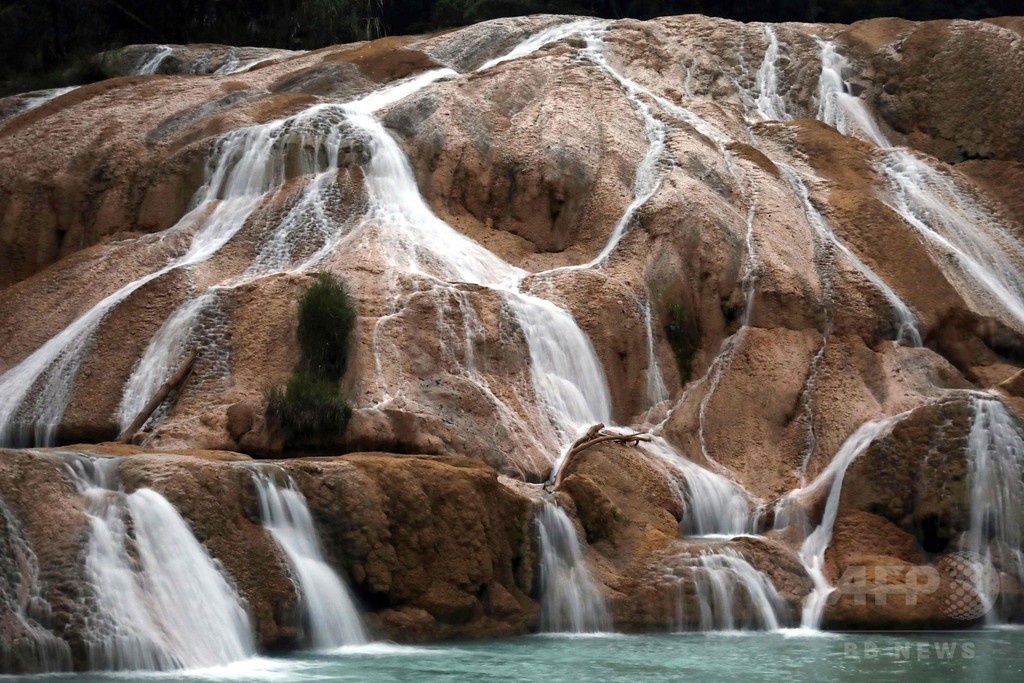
(158, 600)
(151, 63)
(543, 38)
(330, 612)
(990, 260)
(906, 321)
(812, 551)
(322, 129)
(714, 505)
(995, 454)
(245, 165)
(770, 105)
(570, 600)
(568, 380)
(837, 106)
(952, 222)
(732, 594)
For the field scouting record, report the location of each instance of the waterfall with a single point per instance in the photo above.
(329, 610)
(725, 579)
(995, 455)
(159, 601)
(656, 390)
(570, 599)
(246, 164)
(906, 321)
(955, 227)
(812, 551)
(568, 380)
(36, 649)
(837, 107)
(714, 505)
(770, 105)
(950, 220)
(151, 63)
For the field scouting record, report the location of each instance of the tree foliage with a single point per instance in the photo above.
(43, 36)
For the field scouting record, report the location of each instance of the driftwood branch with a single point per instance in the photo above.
(177, 379)
(594, 436)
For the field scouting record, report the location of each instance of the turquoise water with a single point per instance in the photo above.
(987, 656)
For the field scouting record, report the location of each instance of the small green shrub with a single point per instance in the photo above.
(327, 317)
(308, 408)
(683, 335)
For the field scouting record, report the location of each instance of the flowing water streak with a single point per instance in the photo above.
(770, 105)
(714, 505)
(812, 551)
(656, 389)
(837, 107)
(234, 64)
(995, 454)
(239, 175)
(570, 599)
(159, 601)
(724, 580)
(952, 222)
(330, 611)
(568, 380)
(648, 178)
(906, 321)
(543, 38)
(153, 62)
(751, 268)
(37, 98)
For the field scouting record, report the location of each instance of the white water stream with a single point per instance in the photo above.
(995, 460)
(159, 601)
(812, 551)
(989, 270)
(570, 599)
(330, 612)
(770, 105)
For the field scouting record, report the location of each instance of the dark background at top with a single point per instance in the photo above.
(48, 42)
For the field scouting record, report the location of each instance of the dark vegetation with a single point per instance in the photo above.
(310, 407)
(683, 336)
(49, 43)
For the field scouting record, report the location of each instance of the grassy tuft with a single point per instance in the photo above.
(308, 408)
(327, 317)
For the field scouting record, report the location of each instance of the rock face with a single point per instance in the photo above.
(748, 241)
